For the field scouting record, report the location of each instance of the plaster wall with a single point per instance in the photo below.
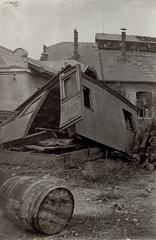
(132, 88)
(16, 87)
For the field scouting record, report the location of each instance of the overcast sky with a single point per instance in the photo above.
(36, 22)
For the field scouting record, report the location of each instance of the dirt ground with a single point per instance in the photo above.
(120, 204)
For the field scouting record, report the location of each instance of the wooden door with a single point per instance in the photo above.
(71, 91)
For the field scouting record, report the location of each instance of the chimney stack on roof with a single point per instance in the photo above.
(123, 41)
(76, 55)
(44, 55)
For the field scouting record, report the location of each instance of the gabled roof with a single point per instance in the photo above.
(88, 54)
(40, 67)
(129, 38)
(109, 64)
(57, 66)
(134, 67)
(5, 49)
(5, 56)
(19, 58)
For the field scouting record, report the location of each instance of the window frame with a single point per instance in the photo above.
(129, 121)
(89, 98)
(63, 93)
(144, 97)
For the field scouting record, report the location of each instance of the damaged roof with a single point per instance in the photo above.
(129, 38)
(133, 67)
(57, 66)
(109, 64)
(19, 58)
(88, 54)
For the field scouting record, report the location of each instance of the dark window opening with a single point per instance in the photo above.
(111, 44)
(128, 120)
(91, 74)
(48, 116)
(144, 104)
(86, 94)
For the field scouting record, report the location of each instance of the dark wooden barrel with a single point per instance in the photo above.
(37, 204)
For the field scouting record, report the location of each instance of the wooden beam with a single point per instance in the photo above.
(48, 160)
(30, 139)
(42, 148)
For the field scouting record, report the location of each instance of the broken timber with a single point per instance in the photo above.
(48, 160)
(74, 104)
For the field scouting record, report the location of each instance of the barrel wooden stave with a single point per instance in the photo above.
(36, 204)
(57, 214)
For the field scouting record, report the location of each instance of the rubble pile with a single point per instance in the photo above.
(145, 145)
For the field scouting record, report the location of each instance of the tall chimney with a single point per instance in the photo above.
(76, 55)
(123, 42)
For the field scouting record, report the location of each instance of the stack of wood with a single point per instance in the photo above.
(145, 145)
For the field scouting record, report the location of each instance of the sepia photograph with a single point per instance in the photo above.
(77, 120)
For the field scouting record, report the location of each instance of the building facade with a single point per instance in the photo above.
(133, 43)
(124, 62)
(20, 77)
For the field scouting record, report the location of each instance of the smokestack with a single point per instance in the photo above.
(123, 42)
(76, 55)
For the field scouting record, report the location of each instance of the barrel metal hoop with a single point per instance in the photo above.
(12, 188)
(27, 191)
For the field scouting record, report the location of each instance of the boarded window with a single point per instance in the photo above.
(87, 97)
(128, 120)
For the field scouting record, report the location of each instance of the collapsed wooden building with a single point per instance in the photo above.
(73, 111)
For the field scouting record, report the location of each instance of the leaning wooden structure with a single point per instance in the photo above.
(74, 111)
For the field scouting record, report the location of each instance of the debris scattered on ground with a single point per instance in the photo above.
(145, 143)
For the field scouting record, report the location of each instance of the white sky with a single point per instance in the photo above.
(37, 22)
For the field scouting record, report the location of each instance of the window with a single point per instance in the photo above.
(144, 104)
(89, 72)
(128, 46)
(128, 120)
(111, 44)
(87, 98)
(69, 86)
